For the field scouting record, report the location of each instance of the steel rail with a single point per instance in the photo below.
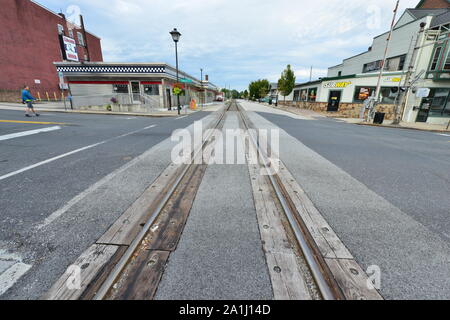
(124, 260)
(327, 290)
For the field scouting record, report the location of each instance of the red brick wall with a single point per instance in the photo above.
(29, 46)
(432, 4)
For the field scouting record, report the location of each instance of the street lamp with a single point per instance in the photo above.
(176, 37)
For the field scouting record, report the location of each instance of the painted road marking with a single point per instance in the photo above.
(11, 270)
(181, 117)
(71, 153)
(30, 122)
(58, 213)
(444, 135)
(28, 133)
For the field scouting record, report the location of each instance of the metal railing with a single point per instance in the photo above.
(117, 101)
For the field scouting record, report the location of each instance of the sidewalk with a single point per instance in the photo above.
(59, 107)
(386, 124)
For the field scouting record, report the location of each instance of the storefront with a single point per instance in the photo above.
(136, 85)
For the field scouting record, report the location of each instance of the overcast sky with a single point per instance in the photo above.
(235, 41)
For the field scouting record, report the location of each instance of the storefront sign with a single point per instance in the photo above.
(69, 49)
(393, 79)
(343, 84)
(423, 92)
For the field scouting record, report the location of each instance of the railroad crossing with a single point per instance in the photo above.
(286, 223)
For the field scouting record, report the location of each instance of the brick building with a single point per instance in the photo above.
(433, 4)
(30, 43)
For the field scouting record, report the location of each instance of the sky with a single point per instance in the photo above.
(235, 41)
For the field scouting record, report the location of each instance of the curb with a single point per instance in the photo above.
(162, 115)
(399, 127)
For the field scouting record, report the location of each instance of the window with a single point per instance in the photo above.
(80, 39)
(71, 33)
(389, 95)
(312, 94)
(60, 29)
(304, 95)
(447, 62)
(296, 95)
(372, 66)
(339, 73)
(151, 89)
(362, 93)
(396, 63)
(439, 102)
(437, 54)
(121, 88)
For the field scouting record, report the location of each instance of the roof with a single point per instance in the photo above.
(421, 13)
(441, 19)
(137, 68)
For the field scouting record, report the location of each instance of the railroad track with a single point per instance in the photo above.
(128, 262)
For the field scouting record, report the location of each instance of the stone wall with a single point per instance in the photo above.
(346, 110)
(10, 95)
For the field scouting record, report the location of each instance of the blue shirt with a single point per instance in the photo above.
(26, 96)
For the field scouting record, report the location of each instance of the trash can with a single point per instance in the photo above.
(379, 118)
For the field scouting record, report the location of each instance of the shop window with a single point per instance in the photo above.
(362, 93)
(439, 101)
(447, 109)
(312, 94)
(296, 95)
(389, 95)
(435, 61)
(121, 88)
(304, 95)
(151, 89)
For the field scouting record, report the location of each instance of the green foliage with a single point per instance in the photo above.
(259, 89)
(287, 82)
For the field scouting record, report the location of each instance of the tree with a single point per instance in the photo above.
(287, 82)
(259, 89)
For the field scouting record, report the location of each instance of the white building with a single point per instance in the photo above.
(419, 46)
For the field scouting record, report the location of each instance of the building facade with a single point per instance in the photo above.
(134, 87)
(418, 59)
(30, 37)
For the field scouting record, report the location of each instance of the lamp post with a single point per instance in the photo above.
(176, 37)
(201, 82)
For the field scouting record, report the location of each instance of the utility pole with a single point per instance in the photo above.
(310, 74)
(380, 76)
(400, 108)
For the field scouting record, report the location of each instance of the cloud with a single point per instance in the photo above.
(237, 41)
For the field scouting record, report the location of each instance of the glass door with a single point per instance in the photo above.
(136, 91)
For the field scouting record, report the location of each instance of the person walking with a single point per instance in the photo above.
(28, 99)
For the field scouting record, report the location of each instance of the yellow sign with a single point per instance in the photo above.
(343, 84)
(193, 105)
(393, 79)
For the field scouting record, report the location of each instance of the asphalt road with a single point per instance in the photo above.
(28, 198)
(383, 191)
(409, 168)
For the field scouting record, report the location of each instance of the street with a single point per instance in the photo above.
(383, 191)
